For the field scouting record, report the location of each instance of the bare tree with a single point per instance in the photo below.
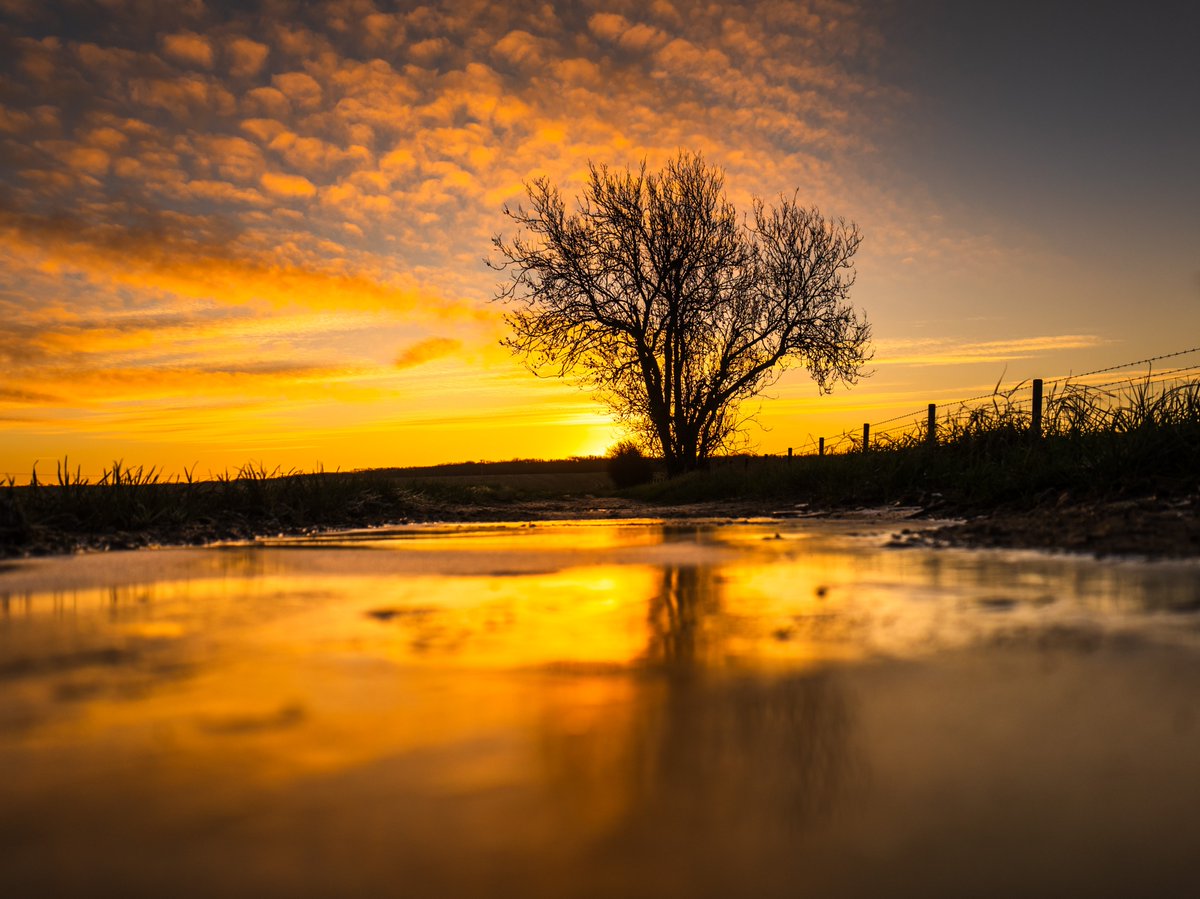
(672, 309)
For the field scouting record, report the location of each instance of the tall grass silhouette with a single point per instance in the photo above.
(130, 506)
(1136, 437)
(1140, 435)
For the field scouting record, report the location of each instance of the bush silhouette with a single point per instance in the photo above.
(627, 466)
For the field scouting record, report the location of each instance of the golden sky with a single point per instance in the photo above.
(237, 231)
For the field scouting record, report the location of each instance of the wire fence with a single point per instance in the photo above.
(1013, 401)
(1027, 398)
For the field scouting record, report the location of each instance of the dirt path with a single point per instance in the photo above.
(1148, 527)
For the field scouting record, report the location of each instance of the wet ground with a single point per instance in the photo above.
(1146, 526)
(635, 708)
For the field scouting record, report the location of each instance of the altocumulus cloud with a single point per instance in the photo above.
(386, 140)
(350, 158)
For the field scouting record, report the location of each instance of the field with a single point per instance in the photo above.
(1107, 473)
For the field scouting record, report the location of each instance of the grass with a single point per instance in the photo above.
(133, 506)
(1140, 440)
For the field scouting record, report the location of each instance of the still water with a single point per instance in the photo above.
(598, 709)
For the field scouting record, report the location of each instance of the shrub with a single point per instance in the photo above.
(627, 466)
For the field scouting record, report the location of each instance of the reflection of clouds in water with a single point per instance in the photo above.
(607, 710)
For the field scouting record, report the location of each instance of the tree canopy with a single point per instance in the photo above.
(674, 310)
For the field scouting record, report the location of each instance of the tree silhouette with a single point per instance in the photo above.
(672, 309)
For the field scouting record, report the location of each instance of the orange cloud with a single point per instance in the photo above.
(184, 96)
(617, 29)
(427, 351)
(234, 158)
(221, 192)
(383, 31)
(189, 48)
(263, 130)
(266, 101)
(92, 160)
(314, 154)
(283, 185)
(246, 56)
(933, 352)
(520, 48)
(156, 259)
(299, 87)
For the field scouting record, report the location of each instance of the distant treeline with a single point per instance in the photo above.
(132, 506)
(1140, 442)
(573, 465)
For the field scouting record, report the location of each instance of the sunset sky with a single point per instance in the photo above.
(234, 232)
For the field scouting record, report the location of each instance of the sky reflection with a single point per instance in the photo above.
(644, 709)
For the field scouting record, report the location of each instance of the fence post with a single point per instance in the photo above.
(1035, 425)
(820, 446)
(866, 436)
(931, 430)
(789, 454)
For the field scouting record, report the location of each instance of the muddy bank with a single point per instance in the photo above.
(45, 540)
(1151, 527)
(1148, 526)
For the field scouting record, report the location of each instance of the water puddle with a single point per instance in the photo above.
(595, 709)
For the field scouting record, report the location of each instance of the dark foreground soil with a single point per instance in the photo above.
(49, 540)
(1150, 526)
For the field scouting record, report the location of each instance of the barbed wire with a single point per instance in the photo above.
(1101, 371)
(1128, 381)
(914, 417)
(888, 421)
(1134, 376)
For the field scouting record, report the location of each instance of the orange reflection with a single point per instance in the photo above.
(562, 704)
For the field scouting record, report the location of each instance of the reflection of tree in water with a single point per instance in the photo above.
(687, 600)
(773, 745)
(715, 770)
